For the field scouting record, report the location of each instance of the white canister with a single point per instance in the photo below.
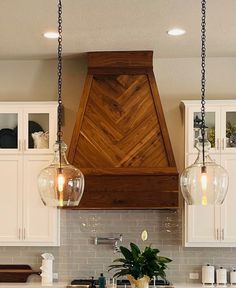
(221, 276)
(233, 277)
(47, 271)
(208, 274)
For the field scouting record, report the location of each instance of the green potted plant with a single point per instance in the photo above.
(140, 266)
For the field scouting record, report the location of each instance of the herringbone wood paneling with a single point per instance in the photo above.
(120, 127)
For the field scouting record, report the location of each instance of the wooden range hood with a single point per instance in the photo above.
(120, 140)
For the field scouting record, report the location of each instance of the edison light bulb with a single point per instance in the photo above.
(204, 182)
(61, 184)
(204, 186)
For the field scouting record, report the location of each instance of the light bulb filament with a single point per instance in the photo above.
(204, 182)
(204, 187)
(60, 187)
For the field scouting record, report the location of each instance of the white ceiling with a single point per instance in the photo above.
(97, 25)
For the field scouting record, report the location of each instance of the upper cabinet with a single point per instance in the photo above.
(28, 128)
(27, 135)
(220, 121)
(212, 226)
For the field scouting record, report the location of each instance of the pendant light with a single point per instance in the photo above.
(60, 184)
(204, 182)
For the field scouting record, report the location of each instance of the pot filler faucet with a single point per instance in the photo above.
(109, 240)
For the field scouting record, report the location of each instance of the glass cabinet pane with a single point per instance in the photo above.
(8, 130)
(38, 130)
(209, 122)
(230, 129)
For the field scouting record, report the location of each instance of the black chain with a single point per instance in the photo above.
(59, 72)
(59, 86)
(203, 74)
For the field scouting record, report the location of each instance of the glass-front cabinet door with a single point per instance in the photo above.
(40, 132)
(10, 130)
(27, 127)
(212, 128)
(228, 129)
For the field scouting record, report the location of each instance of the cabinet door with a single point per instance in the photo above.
(192, 124)
(40, 223)
(228, 212)
(39, 129)
(228, 129)
(202, 224)
(11, 199)
(10, 129)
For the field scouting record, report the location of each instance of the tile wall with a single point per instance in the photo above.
(79, 257)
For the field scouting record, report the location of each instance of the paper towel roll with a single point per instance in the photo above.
(233, 277)
(208, 274)
(47, 272)
(46, 265)
(221, 276)
(47, 280)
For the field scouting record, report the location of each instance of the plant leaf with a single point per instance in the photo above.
(120, 260)
(127, 254)
(135, 250)
(114, 267)
(155, 251)
(121, 273)
(163, 259)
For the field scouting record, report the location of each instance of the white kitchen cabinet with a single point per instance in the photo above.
(228, 211)
(19, 119)
(11, 198)
(24, 220)
(212, 226)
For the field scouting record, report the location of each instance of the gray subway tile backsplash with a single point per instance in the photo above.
(79, 257)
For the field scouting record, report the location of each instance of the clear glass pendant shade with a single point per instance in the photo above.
(204, 184)
(60, 185)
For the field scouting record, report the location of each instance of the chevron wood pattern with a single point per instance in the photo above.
(121, 126)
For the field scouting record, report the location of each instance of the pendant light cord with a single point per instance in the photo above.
(203, 76)
(59, 74)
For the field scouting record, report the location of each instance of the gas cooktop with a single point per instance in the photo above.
(88, 282)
